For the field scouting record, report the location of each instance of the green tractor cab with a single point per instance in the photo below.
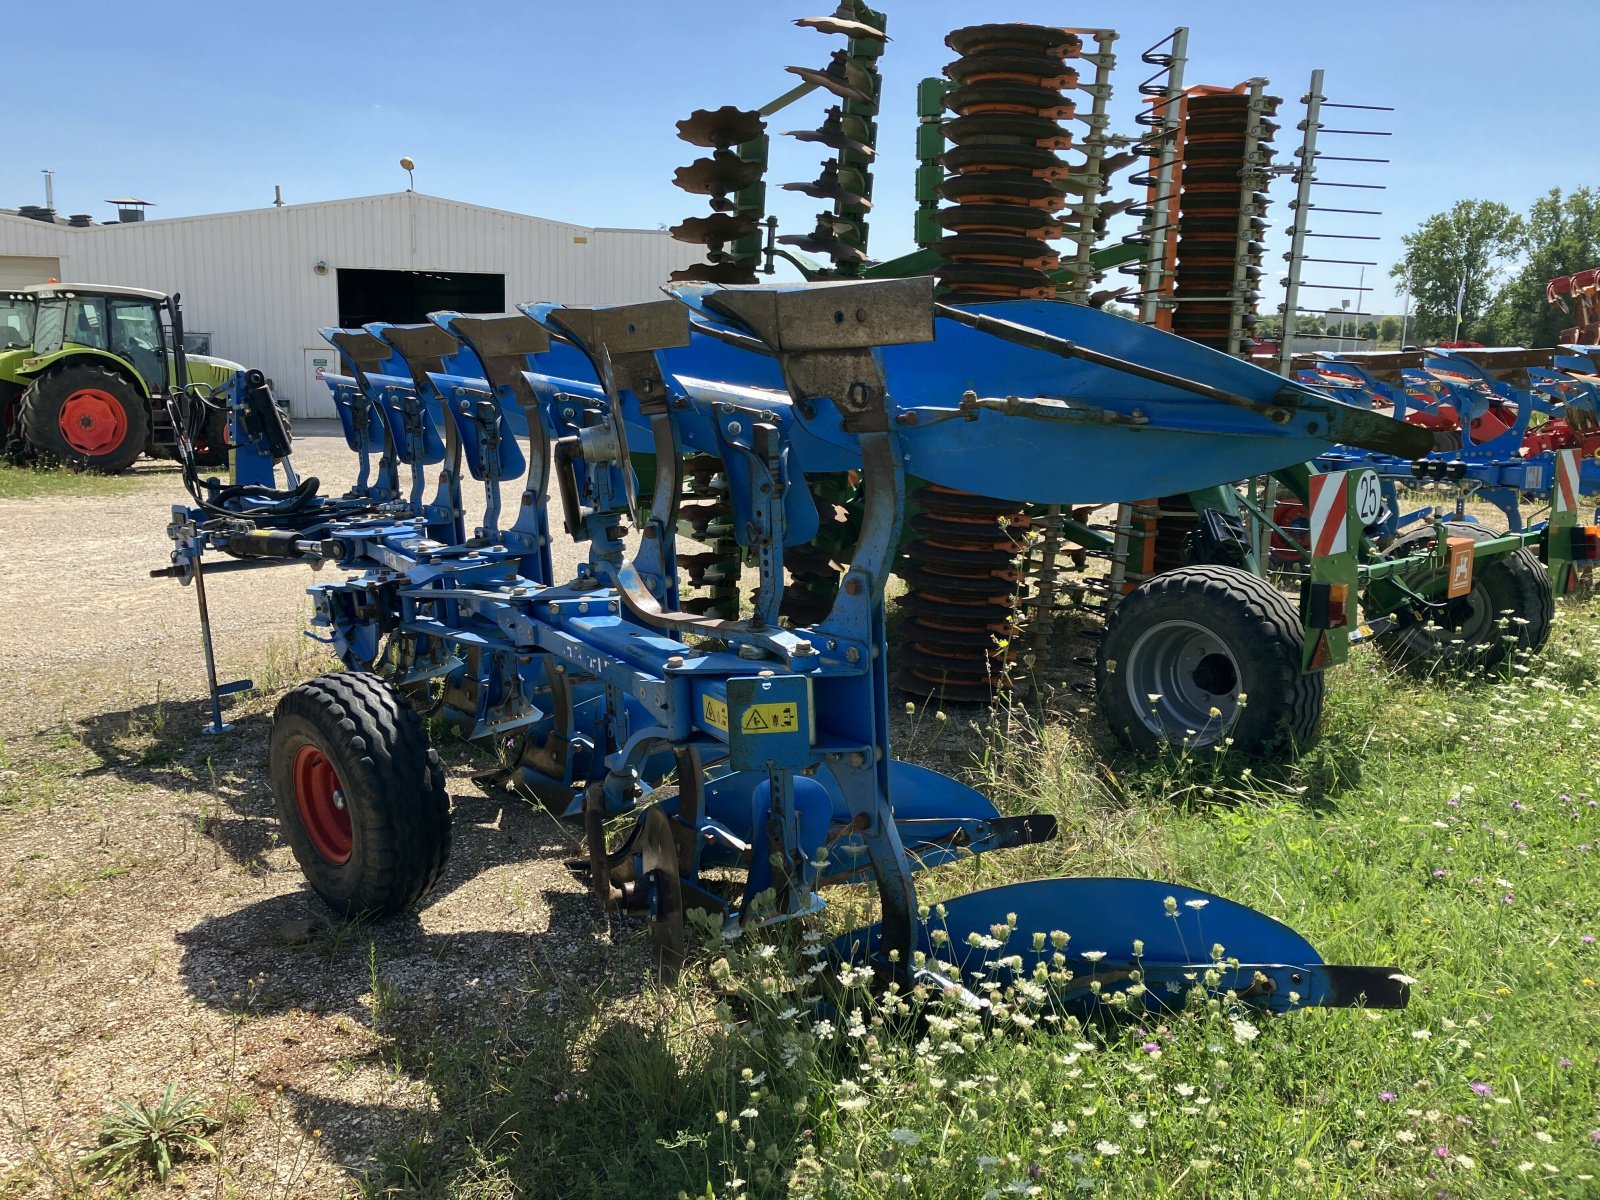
(85, 371)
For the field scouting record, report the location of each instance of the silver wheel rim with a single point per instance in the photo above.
(1177, 674)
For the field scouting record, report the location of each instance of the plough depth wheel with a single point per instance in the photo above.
(360, 793)
(1200, 654)
(1508, 611)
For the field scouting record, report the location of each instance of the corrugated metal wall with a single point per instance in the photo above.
(250, 280)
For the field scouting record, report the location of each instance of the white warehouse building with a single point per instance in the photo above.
(260, 285)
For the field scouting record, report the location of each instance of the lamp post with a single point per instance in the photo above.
(1405, 311)
(1361, 303)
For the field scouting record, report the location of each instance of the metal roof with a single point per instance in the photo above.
(43, 290)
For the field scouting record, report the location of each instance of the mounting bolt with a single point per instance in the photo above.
(852, 655)
(751, 652)
(852, 585)
(735, 429)
(804, 650)
(675, 663)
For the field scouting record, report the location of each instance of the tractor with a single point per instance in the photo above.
(85, 372)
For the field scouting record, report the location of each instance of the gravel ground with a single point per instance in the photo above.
(153, 929)
(84, 616)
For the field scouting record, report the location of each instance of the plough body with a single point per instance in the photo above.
(749, 761)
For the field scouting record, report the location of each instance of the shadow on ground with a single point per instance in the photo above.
(164, 745)
(504, 1055)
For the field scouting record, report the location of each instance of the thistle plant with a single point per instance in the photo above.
(152, 1136)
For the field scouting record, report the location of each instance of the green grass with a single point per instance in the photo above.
(1446, 829)
(33, 483)
(53, 773)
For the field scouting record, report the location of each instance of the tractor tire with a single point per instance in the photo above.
(211, 447)
(1201, 640)
(85, 415)
(13, 449)
(1507, 612)
(360, 794)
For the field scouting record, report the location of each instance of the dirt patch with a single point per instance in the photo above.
(153, 928)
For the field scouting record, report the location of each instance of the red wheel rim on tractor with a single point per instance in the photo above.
(93, 422)
(323, 812)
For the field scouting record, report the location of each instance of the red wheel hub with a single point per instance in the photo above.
(324, 814)
(93, 421)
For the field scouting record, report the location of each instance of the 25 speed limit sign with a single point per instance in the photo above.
(1369, 497)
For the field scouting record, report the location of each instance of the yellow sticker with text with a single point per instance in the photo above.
(770, 718)
(715, 712)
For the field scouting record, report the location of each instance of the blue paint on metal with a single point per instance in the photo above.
(1082, 941)
(1448, 388)
(599, 695)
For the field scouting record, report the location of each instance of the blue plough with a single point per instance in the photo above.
(749, 761)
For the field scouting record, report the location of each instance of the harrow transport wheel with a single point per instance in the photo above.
(1508, 611)
(1199, 640)
(85, 415)
(359, 793)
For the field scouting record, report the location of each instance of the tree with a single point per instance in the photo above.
(1369, 331)
(1561, 236)
(1469, 242)
(1389, 330)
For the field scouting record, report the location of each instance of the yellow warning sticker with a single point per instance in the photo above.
(715, 712)
(770, 718)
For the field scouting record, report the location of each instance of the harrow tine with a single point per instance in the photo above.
(844, 21)
(839, 132)
(845, 79)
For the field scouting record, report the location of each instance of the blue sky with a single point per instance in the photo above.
(567, 110)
